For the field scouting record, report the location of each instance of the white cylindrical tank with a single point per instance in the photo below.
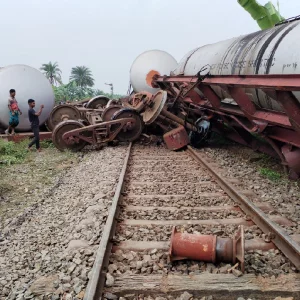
(273, 51)
(29, 83)
(148, 64)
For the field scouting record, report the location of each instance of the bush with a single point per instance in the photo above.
(12, 153)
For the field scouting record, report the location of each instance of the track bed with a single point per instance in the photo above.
(161, 190)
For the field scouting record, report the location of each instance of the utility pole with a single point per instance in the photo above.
(111, 88)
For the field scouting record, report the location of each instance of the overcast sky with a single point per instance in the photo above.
(107, 36)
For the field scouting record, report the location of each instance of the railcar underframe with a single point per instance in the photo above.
(272, 132)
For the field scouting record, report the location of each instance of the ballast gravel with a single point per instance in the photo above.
(261, 175)
(47, 251)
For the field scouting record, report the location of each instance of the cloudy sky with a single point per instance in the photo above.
(107, 36)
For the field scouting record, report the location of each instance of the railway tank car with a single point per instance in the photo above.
(147, 65)
(251, 93)
(29, 83)
(272, 51)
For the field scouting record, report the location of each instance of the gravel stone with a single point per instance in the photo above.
(42, 285)
(185, 296)
(139, 265)
(77, 244)
(109, 280)
(245, 166)
(66, 279)
(223, 270)
(110, 296)
(237, 273)
(49, 244)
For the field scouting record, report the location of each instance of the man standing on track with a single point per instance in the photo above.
(35, 124)
(14, 112)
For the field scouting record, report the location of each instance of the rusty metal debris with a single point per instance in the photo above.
(95, 122)
(208, 248)
(74, 127)
(176, 138)
(126, 125)
(193, 103)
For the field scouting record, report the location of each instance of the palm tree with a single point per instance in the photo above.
(52, 72)
(82, 76)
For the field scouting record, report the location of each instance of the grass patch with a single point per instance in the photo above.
(15, 153)
(26, 180)
(45, 144)
(272, 175)
(12, 153)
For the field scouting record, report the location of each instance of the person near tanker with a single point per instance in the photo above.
(35, 124)
(14, 112)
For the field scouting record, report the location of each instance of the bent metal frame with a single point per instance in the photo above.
(244, 122)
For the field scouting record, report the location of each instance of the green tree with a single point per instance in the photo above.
(72, 92)
(82, 76)
(52, 72)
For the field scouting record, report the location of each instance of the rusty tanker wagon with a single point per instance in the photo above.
(246, 88)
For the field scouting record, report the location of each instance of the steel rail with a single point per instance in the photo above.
(97, 280)
(280, 238)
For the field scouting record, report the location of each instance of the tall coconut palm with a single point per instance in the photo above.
(52, 72)
(82, 76)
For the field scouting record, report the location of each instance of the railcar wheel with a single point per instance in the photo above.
(47, 125)
(113, 102)
(62, 113)
(97, 102)
(60, 130)
(132, 131)
(152, 112)
(109, 112)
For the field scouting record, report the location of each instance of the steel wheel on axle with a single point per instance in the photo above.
(109, 112)
(132, 131)
(62, 113)
(152, 111)
(60, 130)
(97, 102)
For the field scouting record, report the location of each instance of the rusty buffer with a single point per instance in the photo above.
(208, 248)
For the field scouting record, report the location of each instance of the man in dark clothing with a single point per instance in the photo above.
(35, 124)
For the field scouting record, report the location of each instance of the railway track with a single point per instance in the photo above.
(158, 190)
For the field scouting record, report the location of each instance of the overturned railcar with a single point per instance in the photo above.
(29, 83)
(247, 88)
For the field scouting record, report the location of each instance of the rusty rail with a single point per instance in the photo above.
(279, 237)
(97, 280)
(25, 135)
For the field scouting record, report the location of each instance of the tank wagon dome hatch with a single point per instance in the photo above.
(147, 65)
(29, 83)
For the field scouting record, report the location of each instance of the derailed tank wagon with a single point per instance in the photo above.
(247, 88)
(29, 83)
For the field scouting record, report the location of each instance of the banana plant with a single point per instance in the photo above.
(266, 16)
